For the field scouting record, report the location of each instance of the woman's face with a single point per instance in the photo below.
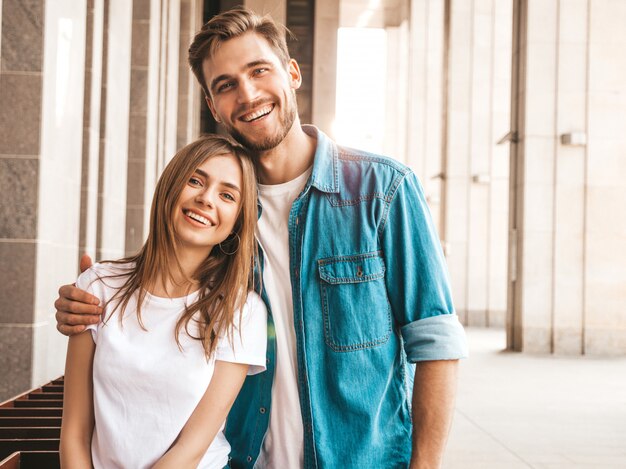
(209, 204)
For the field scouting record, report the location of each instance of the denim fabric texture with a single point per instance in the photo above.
(371, 296)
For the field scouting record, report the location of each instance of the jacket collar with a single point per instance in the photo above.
(325, 173)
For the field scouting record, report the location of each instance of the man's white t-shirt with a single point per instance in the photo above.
(283, 446)
(144, 387)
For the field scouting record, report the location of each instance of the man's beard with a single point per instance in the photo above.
(271, 141)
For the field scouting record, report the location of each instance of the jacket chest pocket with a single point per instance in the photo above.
(355, 307)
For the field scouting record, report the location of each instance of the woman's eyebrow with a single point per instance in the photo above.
(224, 183)
(231, 185)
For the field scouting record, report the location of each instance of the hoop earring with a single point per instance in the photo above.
(228, 240)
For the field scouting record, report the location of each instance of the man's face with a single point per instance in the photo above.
(251, 92)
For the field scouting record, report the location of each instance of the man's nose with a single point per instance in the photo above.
(247, 91)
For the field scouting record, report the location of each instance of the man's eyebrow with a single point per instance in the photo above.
(258, 62)
(224, 183)
(216, 80)
(225, 76)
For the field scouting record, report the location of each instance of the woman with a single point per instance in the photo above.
(151, 385)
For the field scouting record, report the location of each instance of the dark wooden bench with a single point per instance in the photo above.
(30, 427)
(31, 460)
(29, 432)
(30, 412)
(38, 403)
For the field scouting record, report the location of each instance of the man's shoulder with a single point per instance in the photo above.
(363, 174)
(379, 163)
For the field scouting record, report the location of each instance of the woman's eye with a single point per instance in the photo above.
(195, 181)
(228, 196)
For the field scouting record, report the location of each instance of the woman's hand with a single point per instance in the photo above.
(207, 418)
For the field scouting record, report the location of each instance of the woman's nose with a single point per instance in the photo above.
(205, 197)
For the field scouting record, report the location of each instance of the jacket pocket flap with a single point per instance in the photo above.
(352, 269)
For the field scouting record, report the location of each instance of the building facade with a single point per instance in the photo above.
(511, 112)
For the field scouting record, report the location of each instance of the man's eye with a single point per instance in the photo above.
(224, 86)
(260, 71)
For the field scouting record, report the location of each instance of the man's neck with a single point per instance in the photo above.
(292, 157)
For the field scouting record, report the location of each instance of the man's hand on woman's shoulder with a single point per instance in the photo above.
(75, 308)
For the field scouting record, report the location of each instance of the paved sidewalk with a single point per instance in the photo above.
(537, 411)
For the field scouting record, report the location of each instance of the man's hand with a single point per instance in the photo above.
(76, 308)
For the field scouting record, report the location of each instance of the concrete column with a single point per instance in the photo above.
(41, 96)
(159, 52)
(277, 9)
(395, 128)
(155, 27)
(115, 130)
(138, 116)
(426, 99)
(569, 178)
(605, 177)
(569, 292)
(94, 53)
(325, 65)
(474, 169)
(189, 92)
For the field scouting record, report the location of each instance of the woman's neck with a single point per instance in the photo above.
(181, 281)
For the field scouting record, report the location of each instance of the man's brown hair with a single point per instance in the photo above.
(231, 24)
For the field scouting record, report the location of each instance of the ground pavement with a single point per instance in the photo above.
(517, 410)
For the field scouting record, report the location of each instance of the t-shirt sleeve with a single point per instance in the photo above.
(249, 339)
(89, 281)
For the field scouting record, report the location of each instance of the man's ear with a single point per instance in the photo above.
(209, 103)
(295, 76)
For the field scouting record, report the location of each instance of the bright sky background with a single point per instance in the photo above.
(361, 88)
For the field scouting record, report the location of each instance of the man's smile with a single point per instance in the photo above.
(257, 114)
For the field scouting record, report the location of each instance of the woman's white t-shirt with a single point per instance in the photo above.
(145, 387)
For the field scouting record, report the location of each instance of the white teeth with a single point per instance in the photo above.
(199, 218)
(256, 114)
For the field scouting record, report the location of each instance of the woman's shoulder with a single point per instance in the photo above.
(254, 309)
(108, 273)
(254, 302)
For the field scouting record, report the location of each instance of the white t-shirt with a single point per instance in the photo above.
(144, 387)
(283, 445)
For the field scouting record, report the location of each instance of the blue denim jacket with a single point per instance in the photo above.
(370, 295)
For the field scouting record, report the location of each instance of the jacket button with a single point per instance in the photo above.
(249, 459)
(262, 410)
(359, 271)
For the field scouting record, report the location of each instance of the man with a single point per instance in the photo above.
(353, 276)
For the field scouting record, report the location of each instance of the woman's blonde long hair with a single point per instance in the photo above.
(224, 278)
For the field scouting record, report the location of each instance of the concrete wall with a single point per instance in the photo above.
(89, 115)
(41, 96)
(571, 266)
(459, 108)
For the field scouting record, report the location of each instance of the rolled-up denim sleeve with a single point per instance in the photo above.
(417, 279)
(435, 338)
